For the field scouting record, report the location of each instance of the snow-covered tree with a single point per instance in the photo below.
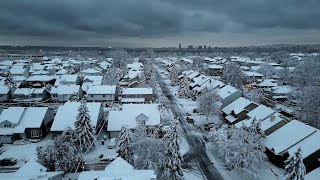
(120, 58)
(140, 132)
(295, 169)
(207, 103)
(111, 77)
(308, 102)
(174, 75)
(172, 169)
(307, 74)
(74, 97)
(241, 148)
(62, 154)
(233, 75)
(255, 95)
(8, 79)
(266, 69)
(184, 91)
(125, 144)
(84, 128)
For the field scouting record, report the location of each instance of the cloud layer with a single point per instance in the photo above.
(84, 20)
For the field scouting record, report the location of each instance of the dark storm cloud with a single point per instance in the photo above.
(82, 19)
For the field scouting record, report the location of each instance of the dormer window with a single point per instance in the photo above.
(7, 125)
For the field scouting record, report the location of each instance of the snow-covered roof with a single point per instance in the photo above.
(265, 124)
(6, 63)
(12, 114)
(19, 78)
(313, 175)
(23, 91)
(226, 91)
(132, 91)
(132, 100)
(90, 71)
(251, 74)
(237, 106)
(287, 136)
(32, 167)
(65, 89)
(102, 90)
(67, 115)
(17, 70)
(118, 169)
(282, 89)
(268, 83)
(130, 112)
(261, 112)
(4, 89)
(62, 72)
(215, 66)
(66, 79)
(44, 78)
(308, 146)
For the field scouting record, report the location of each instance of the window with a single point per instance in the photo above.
(7, 125)
(91, 95)
(35, 133)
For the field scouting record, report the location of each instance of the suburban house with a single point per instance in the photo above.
(67, 115)
(102, 93)
(118, 169)
(30, 94)
(33, 170)
(287, 139)
(227, 94)
(131, 115)
(39, 81)
(19, 71)
(4, 93)
(62, 92)
(253, 75)
(238, 109)
(145, 93)
(24, 122)
(214, 70)
(68, 80)
(90, 72)
(267, 83)
(91, 81)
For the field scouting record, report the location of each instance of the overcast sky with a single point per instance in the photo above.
(159, 23)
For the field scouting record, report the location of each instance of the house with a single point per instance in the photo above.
(261, 112)
(4, 93)
(19, 71)
(33, 170)
(118, 169)
(39, 81)
(145, 93)
(30, 94)
(24, 122)
(228, 94)
(91, 81)
(284, 141)
(131, 115)
(62, 92)
(267, 83)
(67, 115)
(238, 109)
(101, 93)
(215, 70)
(90, 72)
(268, 125)
(62, 72)
(68, 80)
(253, 75)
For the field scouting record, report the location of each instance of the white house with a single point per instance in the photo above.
(67, 115)
(131, 115)
(101, 93)
(145, 93)
(62, 92)
(4, 93)
(228, 94)
(24, 122)
(118, 169)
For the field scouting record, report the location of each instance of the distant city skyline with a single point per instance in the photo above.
(159, 23)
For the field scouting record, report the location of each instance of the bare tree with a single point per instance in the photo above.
(208, 103)
(233, 75)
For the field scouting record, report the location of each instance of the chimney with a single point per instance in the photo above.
(272, 118)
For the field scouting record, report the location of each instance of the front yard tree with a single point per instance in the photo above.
(8, 79)
(84, 128)
(74, 97)
(172, 169)
(173, 75)
(207, 103)
(241, 148)
(233, 75)
(295, 169)
(125, 144)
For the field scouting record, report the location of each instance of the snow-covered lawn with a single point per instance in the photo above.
(23, 152)
(190, 175)
(184, 146)
(93, 155)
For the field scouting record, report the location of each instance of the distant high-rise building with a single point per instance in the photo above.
(179, 45)
(204, 47)
(200, 47)
(190, 47)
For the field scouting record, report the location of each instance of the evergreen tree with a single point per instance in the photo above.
(295, 169)
(83, 127)
(125, 144)
(173, 75)
(172, 169)
(8, 79)
(73, 97)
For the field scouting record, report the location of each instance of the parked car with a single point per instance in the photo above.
(8, 162)
(190, 119)
(113, 143)
(195, 111)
